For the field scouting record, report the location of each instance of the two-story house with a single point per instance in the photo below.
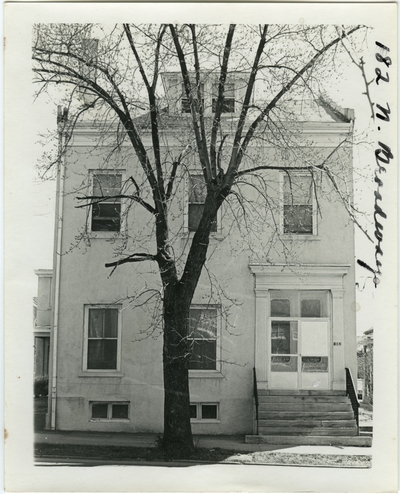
(272, 321)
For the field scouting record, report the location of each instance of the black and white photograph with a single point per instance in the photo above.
(201, 247)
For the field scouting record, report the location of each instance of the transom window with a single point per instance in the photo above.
(106, 215)
(109, 411)
(197, 196)
(298, 210)
(203, 329)
(102, 338)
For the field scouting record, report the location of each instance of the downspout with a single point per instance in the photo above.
(61, 122)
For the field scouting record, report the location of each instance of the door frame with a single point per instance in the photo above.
(299, 277)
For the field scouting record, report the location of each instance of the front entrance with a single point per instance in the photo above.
(299, 340)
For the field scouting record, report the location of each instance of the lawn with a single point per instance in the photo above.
(216, 455)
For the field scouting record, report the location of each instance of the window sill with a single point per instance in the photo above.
(106, 235)
(101, 374)
(205, 374)
(109, 420)
(205, 421)
(301, 238)
(213, 236)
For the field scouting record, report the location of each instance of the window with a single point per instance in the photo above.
(109, 411)
(185, 100)
(106, 215)
(298, 214)
(228, 105)
(203, 338)
(204, 411)
(197, 196)
(102, 338)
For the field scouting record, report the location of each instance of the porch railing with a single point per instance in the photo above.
(255, 393)
(351, 393)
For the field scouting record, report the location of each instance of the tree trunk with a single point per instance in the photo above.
(177, 439)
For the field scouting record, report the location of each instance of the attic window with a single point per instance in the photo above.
(228, 105)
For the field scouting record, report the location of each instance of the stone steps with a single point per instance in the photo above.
(306, 423)
(294, 399)
(308, 431)
(300, 392)
(310, 440)
(306, 406)
(283, 415)
(306, 417)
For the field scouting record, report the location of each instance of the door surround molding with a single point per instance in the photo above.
(299, 277)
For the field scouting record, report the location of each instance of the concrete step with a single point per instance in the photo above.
(305, 406)
(311, 440)
(306, 423)
(301, 392)
(311, 431)
(302, 399)
(298, 415)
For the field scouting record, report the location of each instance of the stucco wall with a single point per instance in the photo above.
(84, 280)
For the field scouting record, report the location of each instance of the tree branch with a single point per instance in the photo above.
(239, 150)
(98, 199)
(220, 98)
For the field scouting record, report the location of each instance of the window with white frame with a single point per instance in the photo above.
(197, 196)
(298, 204)
(106, 213)
(102, 338)
(203, 334)
(204, 411)
(103, 410)
(228, 104)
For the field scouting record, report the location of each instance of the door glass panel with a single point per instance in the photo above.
(284, 364)
(280, 308)
(310, 308)
(284, 337)
(314, 364)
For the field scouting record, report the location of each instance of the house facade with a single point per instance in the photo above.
(273, 311)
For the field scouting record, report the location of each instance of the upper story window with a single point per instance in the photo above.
(203, 332)
(298, 204)
(102, 336)
(106, 215)
(228, 105)
(185, 100)
(197, 196)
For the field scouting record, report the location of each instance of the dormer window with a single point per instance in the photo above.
(228, 105)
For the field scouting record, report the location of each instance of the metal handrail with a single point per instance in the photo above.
(351, 393)
(255, 393)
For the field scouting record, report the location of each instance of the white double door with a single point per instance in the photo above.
(299, 353)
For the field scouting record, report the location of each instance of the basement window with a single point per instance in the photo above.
(109, 411)
(204, 412)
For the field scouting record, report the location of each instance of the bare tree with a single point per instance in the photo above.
(113, 75)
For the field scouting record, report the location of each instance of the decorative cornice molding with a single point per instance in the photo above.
(297, 277)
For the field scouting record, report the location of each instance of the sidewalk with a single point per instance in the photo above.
(232, 443)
